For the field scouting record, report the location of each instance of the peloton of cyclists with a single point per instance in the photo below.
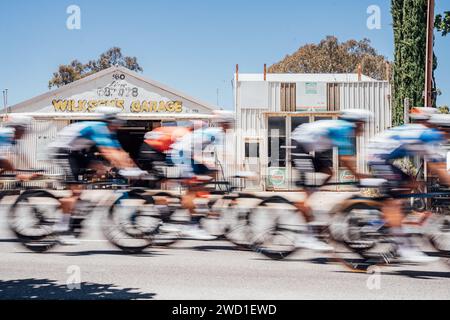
(185, 148)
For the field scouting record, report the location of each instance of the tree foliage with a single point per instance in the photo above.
(410, 25)
(332, 56)
(76, 70)
(442, 23)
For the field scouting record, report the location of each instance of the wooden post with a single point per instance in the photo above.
(406, 108)
(237, 72)
(359, 72)
(265, 72)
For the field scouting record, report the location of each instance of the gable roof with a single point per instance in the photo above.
(105, 72)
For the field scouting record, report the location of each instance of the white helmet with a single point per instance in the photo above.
(109, 114)
(224, 116)
(18, 120)
(356, 115)
(422, 113)
(440, 120)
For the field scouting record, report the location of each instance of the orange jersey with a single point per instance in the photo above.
(162, 138)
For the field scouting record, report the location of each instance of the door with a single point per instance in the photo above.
(277, 175)
(294, 122)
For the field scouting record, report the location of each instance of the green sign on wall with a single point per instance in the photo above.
(277, 178)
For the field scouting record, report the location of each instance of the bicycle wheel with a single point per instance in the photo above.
(276, 225)
(131, 222)
(238, 221)
(438, 232)
(418, 204)
(32, 218)
(170, 231)
(360, 229)
(215, 214)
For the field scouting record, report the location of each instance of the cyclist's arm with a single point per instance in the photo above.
(440, 169)
(347, 151)
(6, 165)
(436, 161)
(350, 163)
(110, 148)
(117, 157)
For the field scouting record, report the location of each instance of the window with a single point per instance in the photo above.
(252, 149)
(288, 97)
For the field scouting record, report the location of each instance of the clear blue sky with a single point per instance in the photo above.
(191, 45)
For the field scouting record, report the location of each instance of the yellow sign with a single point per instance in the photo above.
(136, 106)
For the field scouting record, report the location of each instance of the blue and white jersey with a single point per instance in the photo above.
(324, 135)
(6, 141)
(6, 136)
(407, 140)
(199, 139)
(84, 135)
(195, 144)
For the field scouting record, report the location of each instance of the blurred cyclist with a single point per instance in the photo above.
(15, 128)
(158, 143)
(420, 138)
(188, 154)
(72, 149)
(320, 138)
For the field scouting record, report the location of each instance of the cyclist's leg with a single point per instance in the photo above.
(393, 214)
(194, 231)
(71, 164)
(305, 163)
(392, 208)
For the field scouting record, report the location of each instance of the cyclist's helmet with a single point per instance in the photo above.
(222, 116)
(356, 115)
(198, 124)
(17, 121)
(440, 120)
(422, 114)
(110, 115)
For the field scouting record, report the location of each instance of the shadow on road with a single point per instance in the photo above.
(217, 248)
(45, 289)
(414, 274)
(417, 274)
(9, 240)
(98, 253)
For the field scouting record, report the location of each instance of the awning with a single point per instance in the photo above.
(125, 116)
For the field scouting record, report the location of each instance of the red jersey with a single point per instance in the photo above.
(162, 138)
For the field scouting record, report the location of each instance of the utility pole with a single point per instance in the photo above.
(217, 96)
(5, 100)
(429, 62)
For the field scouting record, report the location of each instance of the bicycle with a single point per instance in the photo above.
(34, 214)
(358, 224)
(219, 211)
(277, 222)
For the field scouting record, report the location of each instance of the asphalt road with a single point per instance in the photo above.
(200, 270)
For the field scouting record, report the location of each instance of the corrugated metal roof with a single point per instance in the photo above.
(304, 77)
